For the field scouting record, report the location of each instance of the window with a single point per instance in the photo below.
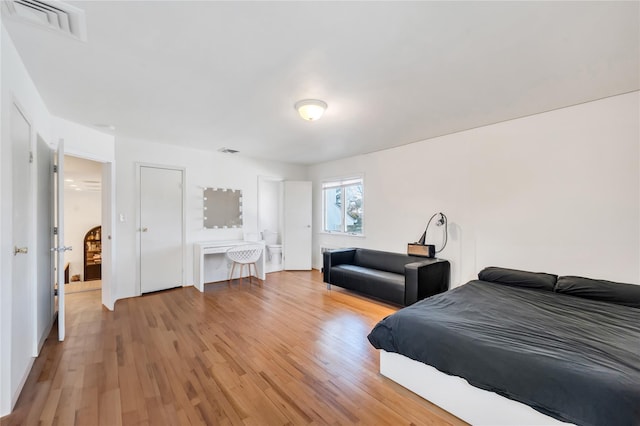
(343, 206)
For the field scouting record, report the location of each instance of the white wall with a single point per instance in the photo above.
(18, 316)
(557, 192)
(203, 168)
(82, 211)
(84, 142)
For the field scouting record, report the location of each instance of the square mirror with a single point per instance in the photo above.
(222, 208)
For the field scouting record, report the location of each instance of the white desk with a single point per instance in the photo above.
(211, 264)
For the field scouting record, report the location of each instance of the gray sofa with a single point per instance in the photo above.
(393, 277)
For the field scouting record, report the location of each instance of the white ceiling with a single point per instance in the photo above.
(226, 74)
(82, 175)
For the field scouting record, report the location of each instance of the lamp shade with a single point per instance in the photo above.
(310, 109)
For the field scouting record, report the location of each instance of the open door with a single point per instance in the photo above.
(45, 290)
(59, 247)
(297, 225)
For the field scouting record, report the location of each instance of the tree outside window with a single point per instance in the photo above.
(343, 206)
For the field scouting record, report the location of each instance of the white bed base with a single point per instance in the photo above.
(455, 395)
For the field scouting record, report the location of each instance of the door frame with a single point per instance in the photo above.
(183, 170)
(108, 223)
(58, 184)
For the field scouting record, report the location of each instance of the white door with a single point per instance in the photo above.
(44, 258)
(21, 292)
(161, 228)
(60, 248)
(296, 244)
(107, 222)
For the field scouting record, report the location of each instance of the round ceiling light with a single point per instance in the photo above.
(310, 109)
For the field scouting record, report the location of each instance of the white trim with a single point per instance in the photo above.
(344, 182)
(345, 177)
(342, 234)
(16, 394)
(455, 395)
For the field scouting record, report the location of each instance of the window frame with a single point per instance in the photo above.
(342, 183)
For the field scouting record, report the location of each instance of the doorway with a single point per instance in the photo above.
(107, 202)
(83, 224)
(270, 219)
(284, 214)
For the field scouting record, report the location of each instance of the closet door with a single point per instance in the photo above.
(19, 349)
(161, 231)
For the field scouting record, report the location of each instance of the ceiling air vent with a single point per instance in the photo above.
(54, 15)
(228, 151)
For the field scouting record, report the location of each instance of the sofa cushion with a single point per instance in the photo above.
(383, 261)
(380, 284)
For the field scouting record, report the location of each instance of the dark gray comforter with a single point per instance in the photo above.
(575, 359)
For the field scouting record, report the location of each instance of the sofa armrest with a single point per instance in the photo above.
(425, 278)
(336, 257)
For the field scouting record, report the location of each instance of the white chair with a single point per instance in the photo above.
(245, 254)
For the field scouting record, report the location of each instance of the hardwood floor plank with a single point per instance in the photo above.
(289, 352)
(109, 408)
(50, 407)
(87, 414)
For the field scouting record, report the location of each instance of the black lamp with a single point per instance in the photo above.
(419, 248)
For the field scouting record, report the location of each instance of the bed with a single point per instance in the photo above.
(567, 347)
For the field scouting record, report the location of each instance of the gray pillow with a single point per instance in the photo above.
(606, 291)
(516, 278)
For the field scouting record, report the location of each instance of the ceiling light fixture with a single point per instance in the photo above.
(310, 109)
(105, 126)
(228, 151)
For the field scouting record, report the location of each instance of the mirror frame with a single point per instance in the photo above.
(222, 208)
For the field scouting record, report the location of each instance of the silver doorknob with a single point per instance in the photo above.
(21, 250)
(144, 229)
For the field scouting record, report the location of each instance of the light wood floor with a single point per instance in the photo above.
(80, 286)
(287, 353)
